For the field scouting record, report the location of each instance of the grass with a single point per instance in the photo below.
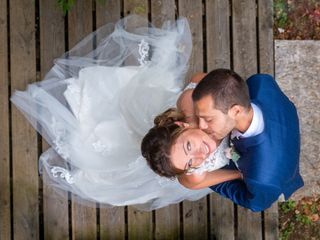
(300, 220)
(296, 20)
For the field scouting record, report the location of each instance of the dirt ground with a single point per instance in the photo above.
(298, 20)
(300, 220)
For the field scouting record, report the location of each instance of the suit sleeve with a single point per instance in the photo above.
(249, 194)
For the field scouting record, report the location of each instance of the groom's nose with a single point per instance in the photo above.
(202, 124)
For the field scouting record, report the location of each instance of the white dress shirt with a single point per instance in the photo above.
(256, 127)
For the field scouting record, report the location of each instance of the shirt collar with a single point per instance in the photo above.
(256, 126)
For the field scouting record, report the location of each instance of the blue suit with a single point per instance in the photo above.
(270, 160)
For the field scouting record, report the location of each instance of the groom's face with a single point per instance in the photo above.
(213, 121)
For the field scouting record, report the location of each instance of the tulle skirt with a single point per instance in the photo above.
(98, 101)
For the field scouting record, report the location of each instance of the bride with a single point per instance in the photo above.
(98, 101)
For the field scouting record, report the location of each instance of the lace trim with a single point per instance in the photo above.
(59, 172)
(143, 51)
(60, 141)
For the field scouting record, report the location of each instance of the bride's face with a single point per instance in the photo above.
(191, 148)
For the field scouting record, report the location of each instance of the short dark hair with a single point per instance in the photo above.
(225, 87)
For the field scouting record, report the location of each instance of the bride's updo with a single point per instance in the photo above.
(156, 144)
(169, 116)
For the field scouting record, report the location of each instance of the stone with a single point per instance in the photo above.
(297, 70)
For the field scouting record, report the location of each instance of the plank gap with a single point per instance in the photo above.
(10, 121)
(235, 223)
(231, 34)
(204, 37)
(258, 37)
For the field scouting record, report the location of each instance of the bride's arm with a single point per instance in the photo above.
(184, 102)
(207, 179)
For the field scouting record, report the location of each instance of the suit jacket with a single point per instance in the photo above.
(270, 160)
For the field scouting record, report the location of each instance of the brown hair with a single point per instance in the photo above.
(156, 144)
(225, 87)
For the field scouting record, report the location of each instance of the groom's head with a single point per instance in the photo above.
(220, 99)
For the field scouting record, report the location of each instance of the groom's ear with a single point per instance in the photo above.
(182, 124)
(235, 110)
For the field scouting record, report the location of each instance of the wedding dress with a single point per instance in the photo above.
(96, 104)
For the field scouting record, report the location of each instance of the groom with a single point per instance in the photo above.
(264, 130)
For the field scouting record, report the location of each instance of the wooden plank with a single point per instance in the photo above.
(107, 12)
(245, 63)
(221, 218)
(266, 65)
(167, 219)
(244, 37)
(139, 7)
(218, 34)
(167, 222)
(24, 137)
(219, 56)
(112, 223)
(161, 11)
(139, 222)
(192, 10)
(112, 220)
(195, 221)
(52, 45)
(5, 204)
(84, 218)
(271, 223)
(265, 30)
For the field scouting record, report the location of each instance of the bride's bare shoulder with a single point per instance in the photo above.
(191, 181)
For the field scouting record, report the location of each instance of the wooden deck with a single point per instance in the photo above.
(226, 33)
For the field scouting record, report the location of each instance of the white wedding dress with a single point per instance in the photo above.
(96, 104)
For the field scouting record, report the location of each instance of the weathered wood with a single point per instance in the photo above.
(84, 218)
(24, 137)
(266, 65)
(107, 12)
(139, 222)
(218, 56)
(245, 63)
(52, 45)
(195, 221)
(5, 204)
(112, 223)
(271, 222)
(167, 219)
(139, 7)
(244, 37)
(162, 10)
(192, 10)
(248, 57)
(265, 31)
(167, 222)
(218, 34)
(221, 218)
(112, 220)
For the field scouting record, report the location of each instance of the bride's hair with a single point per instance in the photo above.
(169, 116)
(156, 144)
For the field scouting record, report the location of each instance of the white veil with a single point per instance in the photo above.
(98, 101)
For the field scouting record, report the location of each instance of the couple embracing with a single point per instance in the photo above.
(97, 111)
(263, 128)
